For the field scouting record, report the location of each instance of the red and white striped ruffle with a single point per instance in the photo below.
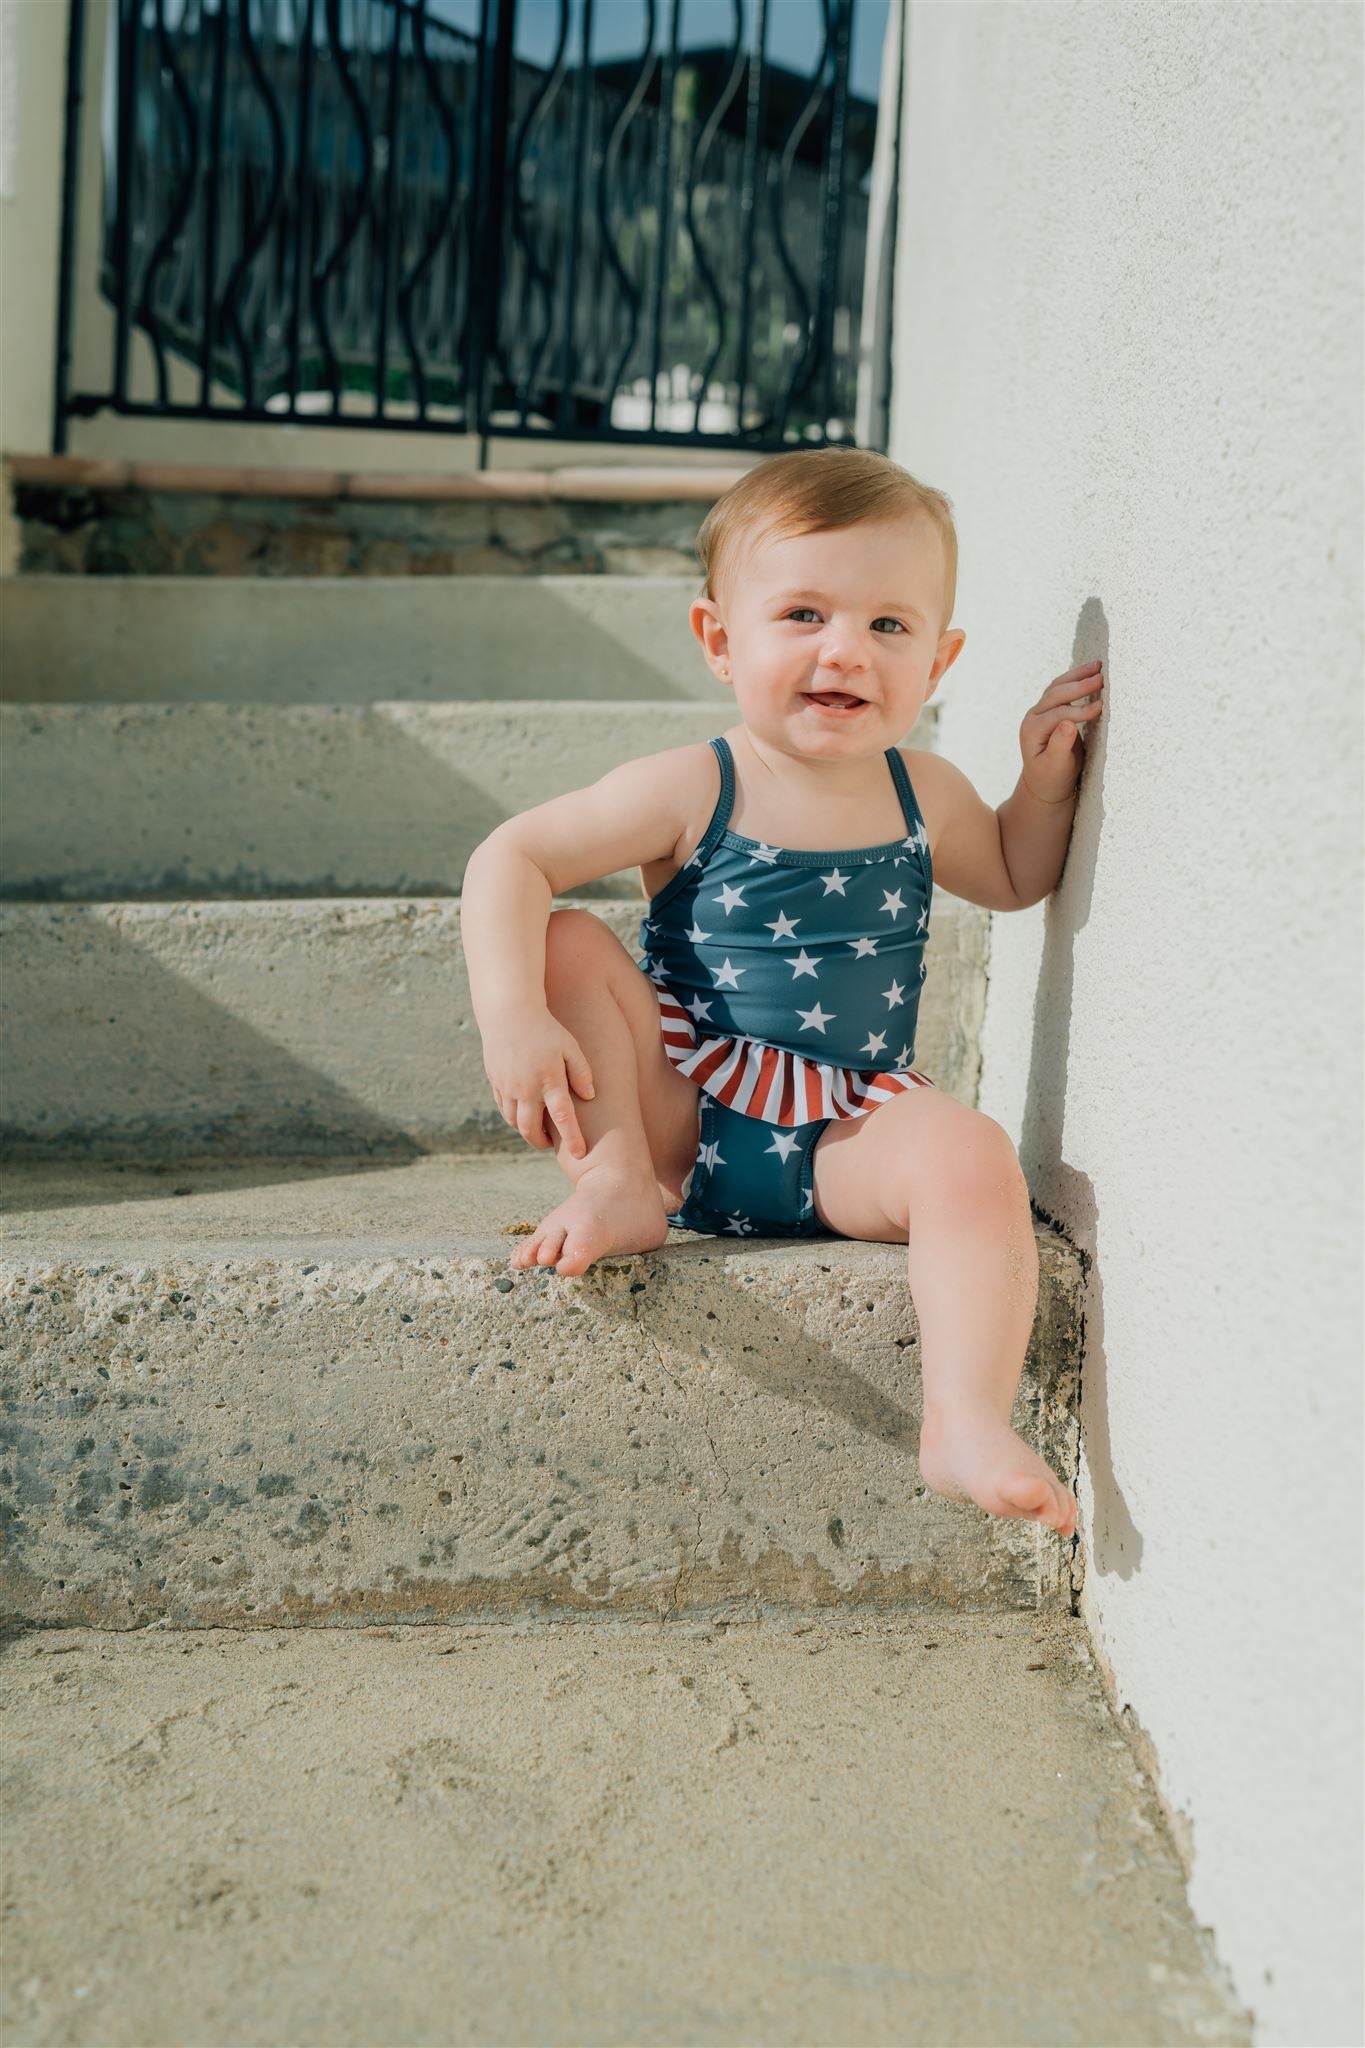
(768, 1082)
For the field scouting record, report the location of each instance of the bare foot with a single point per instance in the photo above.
(610, 1210)
(976, 1458)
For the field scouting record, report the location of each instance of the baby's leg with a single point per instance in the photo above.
(926, 1171)
(640, 1123)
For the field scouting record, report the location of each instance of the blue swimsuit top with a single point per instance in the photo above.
(789, 980)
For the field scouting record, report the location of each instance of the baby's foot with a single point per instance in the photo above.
(975, 1458)
(610, 1210)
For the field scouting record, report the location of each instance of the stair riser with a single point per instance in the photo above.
(290, 640)
(211, 800)
(98, 801)
(258, 1440)
(240, 1029)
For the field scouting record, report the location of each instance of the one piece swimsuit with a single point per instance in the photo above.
(788, 987)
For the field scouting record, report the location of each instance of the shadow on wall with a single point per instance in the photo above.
(1116, 1543)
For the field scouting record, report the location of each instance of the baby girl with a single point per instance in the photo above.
(753, 1076)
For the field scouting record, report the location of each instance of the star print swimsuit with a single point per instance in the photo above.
(788, 987)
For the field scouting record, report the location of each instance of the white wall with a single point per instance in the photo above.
(1129, 347)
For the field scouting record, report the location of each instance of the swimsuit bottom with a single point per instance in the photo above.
(753, 1177)
(750, 1178)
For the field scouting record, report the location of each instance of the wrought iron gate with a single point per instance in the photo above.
(356, 213)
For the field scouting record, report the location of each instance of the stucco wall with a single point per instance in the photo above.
(1129, 347)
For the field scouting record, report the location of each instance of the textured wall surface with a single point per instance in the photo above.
(1129, 347)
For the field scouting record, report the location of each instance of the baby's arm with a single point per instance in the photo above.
(634, 814)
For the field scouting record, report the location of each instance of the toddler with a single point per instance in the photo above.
(754, 1076)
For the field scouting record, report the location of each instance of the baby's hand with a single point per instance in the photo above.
(531, 1067)
(1050, 736)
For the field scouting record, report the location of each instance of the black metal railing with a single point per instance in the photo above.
(354, 212)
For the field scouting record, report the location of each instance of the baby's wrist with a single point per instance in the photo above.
(1074, 792)
(507, 1015)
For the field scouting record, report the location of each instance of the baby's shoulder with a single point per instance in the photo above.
(686, 781)
(935, 782)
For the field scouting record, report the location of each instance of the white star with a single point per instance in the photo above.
(862, 946)
(876, 1043)
(892, 903)
(804, 964)
(728, 976)
(697, 937)
(709, 1155)
(900, 861)
(764, 853)
(784, 1143)
(776, 927)
(923, 924)
(740, 1225)
(729, 897)
(816, 1019)
(693, 859)
(834, 880)
(920, 837)
(698, 1008)
(905, 1055)
(895, 994)
(912, 840)
(809, 1202)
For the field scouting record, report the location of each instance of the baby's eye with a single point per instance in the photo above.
(876, 622)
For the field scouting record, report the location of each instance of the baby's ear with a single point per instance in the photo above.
(706, 622)
(950, 645)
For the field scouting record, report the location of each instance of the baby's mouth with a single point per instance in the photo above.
(835, 700)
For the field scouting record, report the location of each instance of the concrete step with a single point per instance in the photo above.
(338, 640)
(213, 799)
(148, 1030)
(278, 1393)
(581, 1832)
(188, 800)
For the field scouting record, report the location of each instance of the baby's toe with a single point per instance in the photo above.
(1025, 1494)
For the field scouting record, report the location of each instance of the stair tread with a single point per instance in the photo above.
(452, 1203)
(588, 1832)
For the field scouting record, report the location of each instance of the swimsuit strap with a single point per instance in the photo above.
(725, 802)
(905, 787)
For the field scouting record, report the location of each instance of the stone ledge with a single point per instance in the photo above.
(599, 483)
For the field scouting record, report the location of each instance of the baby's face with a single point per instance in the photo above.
(854, 611)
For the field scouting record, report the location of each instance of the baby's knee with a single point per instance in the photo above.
(574, 938)
(977, 1162)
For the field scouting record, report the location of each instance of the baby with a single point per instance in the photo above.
(754, 1075)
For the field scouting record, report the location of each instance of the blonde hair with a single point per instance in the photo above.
(812, 490)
